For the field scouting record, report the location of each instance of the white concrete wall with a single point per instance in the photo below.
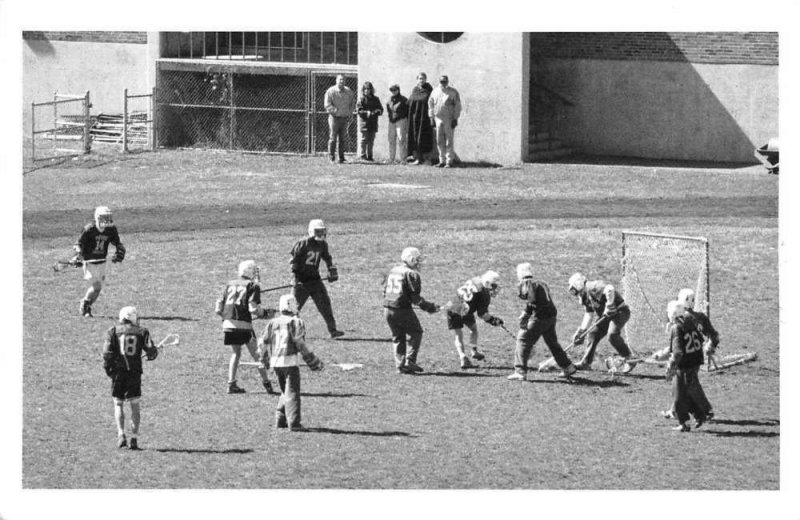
(487, 70)
(666, 110)
(105, 69)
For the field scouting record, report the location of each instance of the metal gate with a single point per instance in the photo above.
(235, 108)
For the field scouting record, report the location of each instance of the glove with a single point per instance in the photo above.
(577, 338)
(313, 362)
(709, 349)
(111, 370)
(333, 273)
(152, 354)
(670, 373)
(76, 260)
(119, 255)
(494, 321)
(433, 123)
(454, 123)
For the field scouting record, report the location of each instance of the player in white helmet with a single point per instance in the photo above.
(91, 251)
(283, 344)
(538, 319)
(472, 298)
(306, 256)
(604, 305)
(401, 289)
(122, 362)
(238, 306)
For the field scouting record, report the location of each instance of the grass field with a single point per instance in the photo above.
(187, 219)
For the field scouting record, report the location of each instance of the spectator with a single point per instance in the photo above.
(420, 132)
(445, 108)
(397, 111)
(369, 108)
(339, 103)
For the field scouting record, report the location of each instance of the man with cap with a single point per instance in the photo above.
(397, 110)
(444, 107)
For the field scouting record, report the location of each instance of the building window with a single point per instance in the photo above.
(441, 37)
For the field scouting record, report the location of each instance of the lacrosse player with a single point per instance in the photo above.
(538, 319)
(122, 361)
(473, 298)
(401, 288)
(283, 340)
(603, 301)
(91, 250)
(306, 256)
(239, 305)
(685, 359)
(710, 339)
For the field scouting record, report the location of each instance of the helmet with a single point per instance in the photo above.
(317, 229)
(129, 314)
(576, 283)
(524, 270)
(102, 218)
(412, 257)
(686, 297)
(491, 280)
(674, 309)
(247, 269)
(288, 304)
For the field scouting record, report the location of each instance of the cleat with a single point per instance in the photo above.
(448, 165)
(233, 388)
(342, 161)
(297, 428)
(268, 387)
(683, 428)
(440, 165)
(134, 445)
(567, 372)
(403, 370)
(477, 356)
(336, 334)
(466, 363)
(415, 162)
(86, 309)
(700, 422)
(333, 161)
(583, 365)
(516, 376)
(668, 414)
(122, 441)
(710, 416)
(280, 421)
(413, 367)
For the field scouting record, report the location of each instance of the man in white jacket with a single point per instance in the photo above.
(444, 107)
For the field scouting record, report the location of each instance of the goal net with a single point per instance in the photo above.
(655, 268)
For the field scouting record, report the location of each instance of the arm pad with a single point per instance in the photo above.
(333, 273)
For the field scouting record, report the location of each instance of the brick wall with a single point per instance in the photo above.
(87, 36)
(759, 48)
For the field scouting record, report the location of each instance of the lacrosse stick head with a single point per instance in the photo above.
(171, 340)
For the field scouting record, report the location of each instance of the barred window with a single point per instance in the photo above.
(440, 37)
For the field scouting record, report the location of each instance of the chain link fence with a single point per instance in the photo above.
(224, 108)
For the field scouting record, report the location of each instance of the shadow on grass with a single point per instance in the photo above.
(337, 431)
(168, 318)
(464, 373)
(380, 340)
(233, 451)
(748, 422)
(332, 394)
(580, 381)
(750, 433)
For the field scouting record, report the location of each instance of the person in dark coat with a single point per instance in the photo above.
(420, 132)
(369, 108)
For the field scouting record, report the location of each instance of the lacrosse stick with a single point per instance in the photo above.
(344, 366)
(549, 363)
(508, 332)
(170, 340)
(287, 286)
(60, 265)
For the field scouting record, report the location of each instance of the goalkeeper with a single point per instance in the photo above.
(282, 344)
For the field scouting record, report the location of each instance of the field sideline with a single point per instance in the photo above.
(187, 219)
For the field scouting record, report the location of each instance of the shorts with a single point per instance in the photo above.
(238, 336)
(456, 321)
(94, 271)
(125, 385)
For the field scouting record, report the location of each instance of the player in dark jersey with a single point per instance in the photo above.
(306, 256)
(401, 289)
(473, 298)
(600, 301)
(685, 360)
(538, 319)
(239, 304)
(91, 250)
(122, 361)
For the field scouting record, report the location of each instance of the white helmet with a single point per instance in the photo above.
(247, 269)
(576, 283)
(129, 313)
(491, 280)
(524, 270)
(412, 257)
(317, 229)
(674, 309)
(686, 297)
(288, 304)
(103, 218)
